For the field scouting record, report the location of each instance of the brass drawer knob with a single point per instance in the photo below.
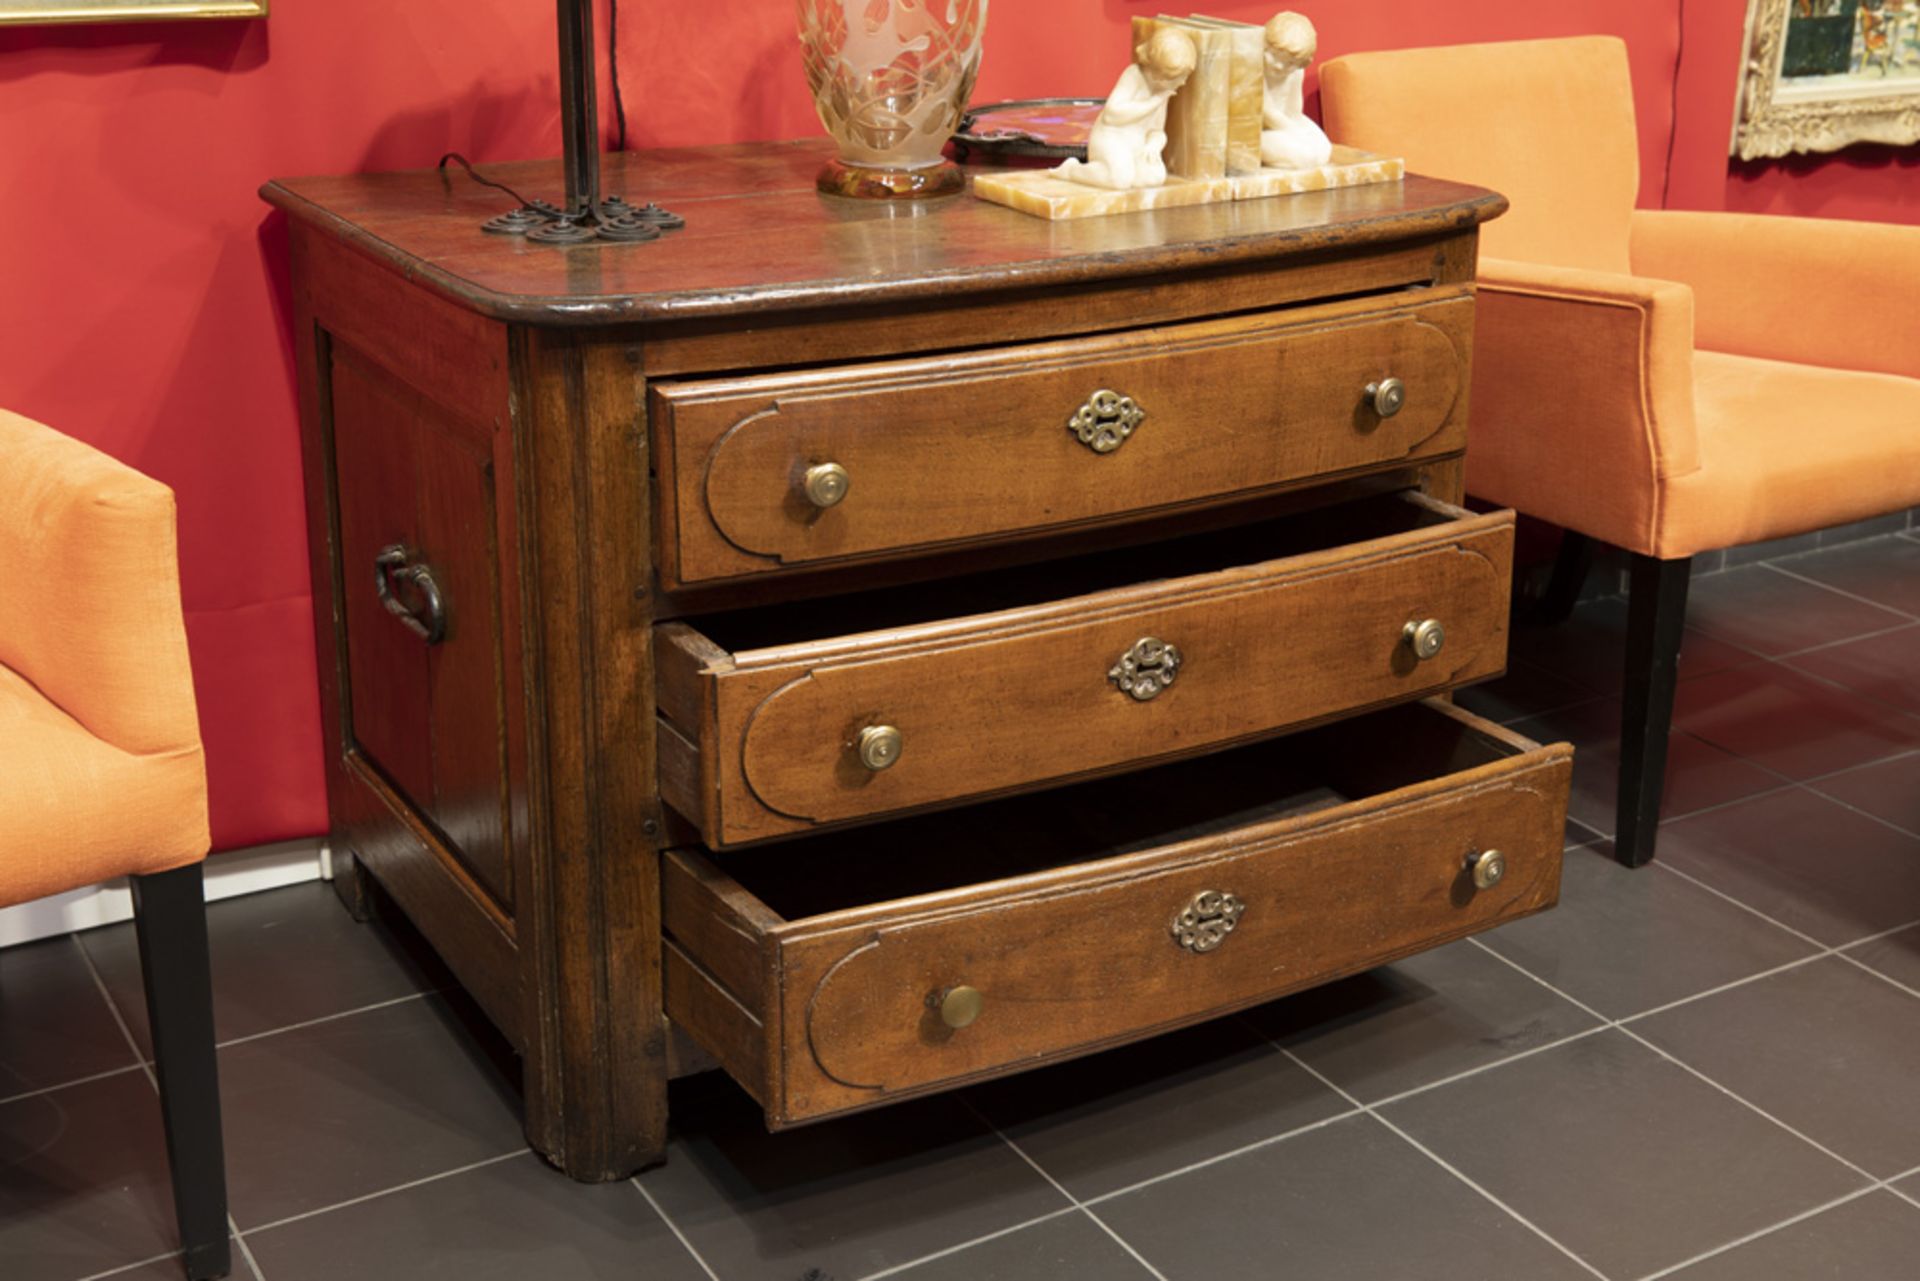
(1426, 638)
(879, 747)
(958, 1006)
(1146, 669)
(1204, 923)
(825, 484)
(1489, 868)
(1105, 421)
(1387, 396)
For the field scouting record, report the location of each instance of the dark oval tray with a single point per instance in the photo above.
(1051, 128)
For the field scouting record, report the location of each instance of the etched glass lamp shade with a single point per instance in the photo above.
(891, 79)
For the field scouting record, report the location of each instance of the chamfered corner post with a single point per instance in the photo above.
(597, 1041)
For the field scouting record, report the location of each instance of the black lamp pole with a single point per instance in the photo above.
(579, 109)
(587, 215)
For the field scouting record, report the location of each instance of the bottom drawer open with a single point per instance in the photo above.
(847, 971)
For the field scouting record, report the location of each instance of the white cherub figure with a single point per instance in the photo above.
(1290, 139)
(1125, 145)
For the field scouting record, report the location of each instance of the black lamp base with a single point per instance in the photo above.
(587, 217)
(614, 219)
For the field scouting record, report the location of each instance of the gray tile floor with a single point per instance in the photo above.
(1708, 1069)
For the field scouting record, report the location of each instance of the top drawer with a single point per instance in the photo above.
(762, 473)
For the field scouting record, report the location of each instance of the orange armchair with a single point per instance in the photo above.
(101, 771)
(1669, 383)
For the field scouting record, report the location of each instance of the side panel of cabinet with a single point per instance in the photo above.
(429, 712)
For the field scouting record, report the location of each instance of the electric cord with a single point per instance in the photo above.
(1673, 123)
(619, 112)
(613, 72)
(484, 181)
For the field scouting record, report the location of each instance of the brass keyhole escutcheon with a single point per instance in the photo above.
(1206, 920)
(958, 1006)
(825, 484)
(1146, 669)
(1426, 637)
(1489, 868)
(879, 747)
(1105, 421)
(1388, 396)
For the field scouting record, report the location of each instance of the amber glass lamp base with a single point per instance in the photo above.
(861, 182)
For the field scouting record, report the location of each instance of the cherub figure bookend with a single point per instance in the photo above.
(1127, 145)
(1289, 139)
(1208, 111)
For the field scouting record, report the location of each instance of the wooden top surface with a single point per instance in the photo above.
(760, 238)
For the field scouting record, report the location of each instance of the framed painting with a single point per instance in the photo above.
(41, 12)
(1823, 74)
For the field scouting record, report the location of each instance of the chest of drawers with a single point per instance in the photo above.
(871, 649)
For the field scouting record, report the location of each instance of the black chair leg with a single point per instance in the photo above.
(170, 919)
(1656, 617)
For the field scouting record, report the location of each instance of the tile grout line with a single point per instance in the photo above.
(153, 1080)
(1719, 893)
(1099, 1222)
(1218, 1157)
(1874, 1183)
(1784, 785)
(1867, 814)
(1435, 1157)
(125, 1268)
(1755, 977)
(1838, 950)
(113, 1008)
(1909, 1198)
(1775, 566)
(1554, 1044)
(1603, 1024)
(1884, 978)
(673, 1228)
(897, 1268)
(143, 1063)
(67, 1085)
(385, 1192)
(1755, 1108)
(246, 1251)
(1684, 1066)
(1787, 656)
(327, 1018)
(1751, 1237)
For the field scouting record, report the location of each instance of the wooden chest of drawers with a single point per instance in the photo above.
(877, 648)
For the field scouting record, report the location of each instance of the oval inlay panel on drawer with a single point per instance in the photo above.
(1013, 704)
(940, 451)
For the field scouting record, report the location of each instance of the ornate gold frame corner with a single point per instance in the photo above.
(1765, 126)
(48, 12)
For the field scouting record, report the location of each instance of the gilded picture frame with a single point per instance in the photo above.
(44, 12)
(1824, 74)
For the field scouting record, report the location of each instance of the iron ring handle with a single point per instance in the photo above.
(391, 564)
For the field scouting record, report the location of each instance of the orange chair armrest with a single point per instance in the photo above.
(1819, 291)
(90, 590)
(1582, 396)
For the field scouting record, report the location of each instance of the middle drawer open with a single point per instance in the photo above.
(932, 695)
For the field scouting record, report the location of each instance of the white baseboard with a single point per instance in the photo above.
(263, 867)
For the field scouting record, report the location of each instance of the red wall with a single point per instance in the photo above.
(144, 284)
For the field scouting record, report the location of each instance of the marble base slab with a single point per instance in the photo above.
(1348, 168)
(1040, 193)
